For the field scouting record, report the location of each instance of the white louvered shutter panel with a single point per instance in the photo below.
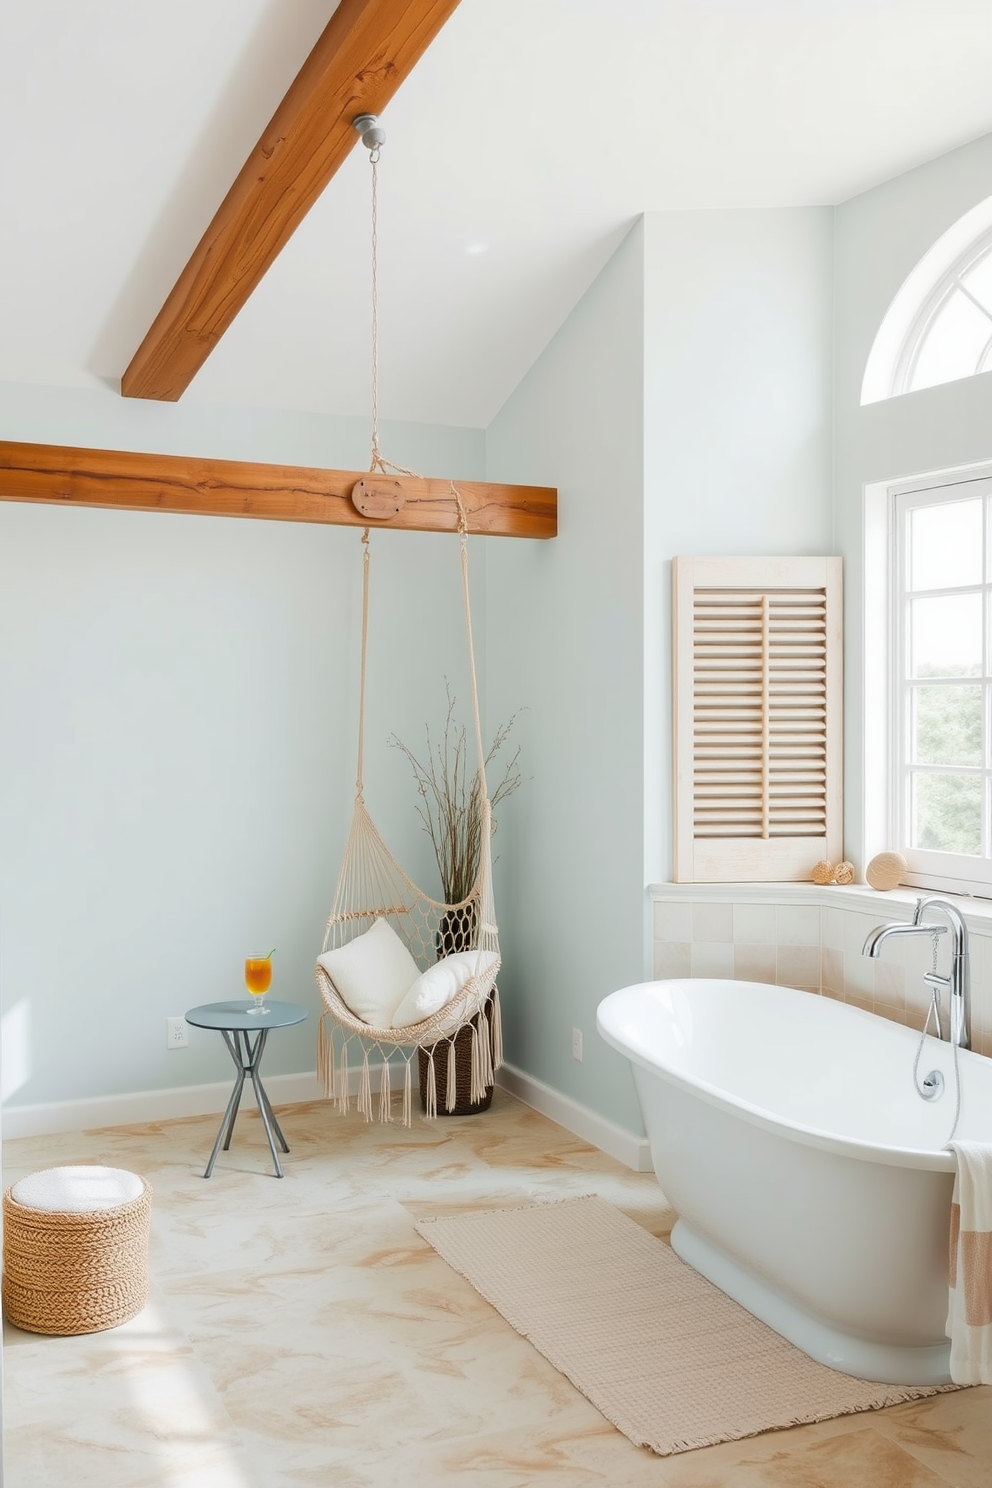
(757, 717)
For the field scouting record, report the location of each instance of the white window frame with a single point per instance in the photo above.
(891, 361)
(950, 283)
(887, 736)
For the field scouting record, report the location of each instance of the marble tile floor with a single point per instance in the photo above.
(301, 1334)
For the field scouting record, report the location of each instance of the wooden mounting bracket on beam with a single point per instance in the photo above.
(377, 497)
(282, 493)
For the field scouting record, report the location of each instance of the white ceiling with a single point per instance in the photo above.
(528, 139)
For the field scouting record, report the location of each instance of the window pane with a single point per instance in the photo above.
(945, 545)
(979, 280)
(953, 344)
(947, 813)
(946, 636)
(947, 725)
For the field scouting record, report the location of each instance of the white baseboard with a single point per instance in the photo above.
(93, 1112)
(97, 1111)
(616, 1141)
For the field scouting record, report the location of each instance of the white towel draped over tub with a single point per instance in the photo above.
(969, 1315)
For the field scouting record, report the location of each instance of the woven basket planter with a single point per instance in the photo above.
(68, 1272)
(464, 1105)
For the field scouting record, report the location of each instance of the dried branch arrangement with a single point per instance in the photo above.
(449, 791)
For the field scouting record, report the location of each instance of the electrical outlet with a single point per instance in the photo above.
(577, 1044)
(176, 1033)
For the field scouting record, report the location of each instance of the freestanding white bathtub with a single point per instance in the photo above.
(808, 1176)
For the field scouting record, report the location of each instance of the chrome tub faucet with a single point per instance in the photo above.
(958, 983)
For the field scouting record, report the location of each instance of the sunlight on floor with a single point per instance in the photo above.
(170, 1401)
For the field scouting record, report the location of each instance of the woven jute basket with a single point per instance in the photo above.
(75, 1273)
(464, 1104)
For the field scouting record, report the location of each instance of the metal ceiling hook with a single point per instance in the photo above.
(372, 132)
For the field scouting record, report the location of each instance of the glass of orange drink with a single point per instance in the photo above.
(258, 979)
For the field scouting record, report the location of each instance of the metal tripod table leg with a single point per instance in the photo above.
(265, 1105)
(247, 1056)
(227, 1125)
(245, 1030)
(234, 1049)
(268, 1120)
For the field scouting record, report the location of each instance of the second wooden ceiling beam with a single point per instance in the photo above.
(363, 55)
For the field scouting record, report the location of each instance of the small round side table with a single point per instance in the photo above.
(236, 1023)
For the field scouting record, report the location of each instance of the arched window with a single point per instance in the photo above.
(939, 326)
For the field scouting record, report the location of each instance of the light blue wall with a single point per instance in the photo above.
(564, 643)
(880, 236)
(737, 447)
(684, 407)
(104, 420)
(177, 747)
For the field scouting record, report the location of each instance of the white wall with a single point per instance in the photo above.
(177, 737)
(564, 638)
(737, 457)
(880, 236)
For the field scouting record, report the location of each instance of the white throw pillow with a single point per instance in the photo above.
(435, 987)
(372, 973)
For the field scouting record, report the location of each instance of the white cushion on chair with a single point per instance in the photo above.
(372, 973)
(436, 987)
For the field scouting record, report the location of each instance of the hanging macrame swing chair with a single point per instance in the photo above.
(372, 886)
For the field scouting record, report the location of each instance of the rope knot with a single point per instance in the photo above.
(462, 517)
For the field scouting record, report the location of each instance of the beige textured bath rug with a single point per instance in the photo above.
(660, 1351)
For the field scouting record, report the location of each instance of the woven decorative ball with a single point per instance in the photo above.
(75, 1249)
(844, 873)
(886, 870)
(823, 872)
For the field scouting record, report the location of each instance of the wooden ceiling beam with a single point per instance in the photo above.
(366, 50)
(283, 493)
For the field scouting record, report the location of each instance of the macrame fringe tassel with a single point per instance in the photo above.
(451, 1084)
(477, 1091)
(365, 1088)
(385, 1093)
(408, 1096)
(430, 1100)
(344, 1095)
(497, 1027)
(325, 1060)
(486, 1042)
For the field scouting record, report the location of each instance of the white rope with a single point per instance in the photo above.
(376, 457)
(344, 1094)
(380, 463)
(359, 786)
(365, 1088)
(451, 1084)
(408, 1095)
(486, 1044)
(430, 1099)
(477, 1091)
(372, 884)
(385, 1093)
(467, 600)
